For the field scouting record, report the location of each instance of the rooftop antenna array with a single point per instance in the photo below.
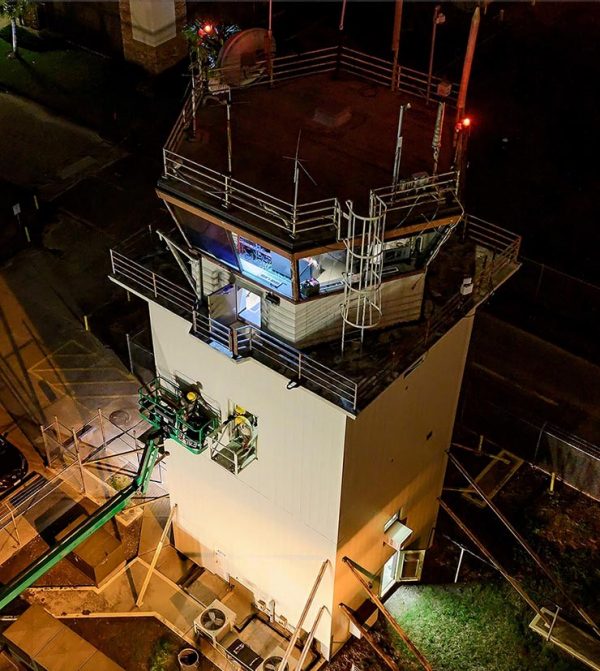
(298, 165)
(240, 63)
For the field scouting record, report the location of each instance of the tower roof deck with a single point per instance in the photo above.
(343, 128)
(476, 249)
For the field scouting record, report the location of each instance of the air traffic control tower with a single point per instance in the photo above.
(316, 288)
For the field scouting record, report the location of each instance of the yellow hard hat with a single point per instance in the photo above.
(191, 396)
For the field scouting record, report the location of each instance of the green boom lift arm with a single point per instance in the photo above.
(97, 519)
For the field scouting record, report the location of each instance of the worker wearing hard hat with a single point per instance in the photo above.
(190, 405)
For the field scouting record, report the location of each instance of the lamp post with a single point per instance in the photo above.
(438, 18)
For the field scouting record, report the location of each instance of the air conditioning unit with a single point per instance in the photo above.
(214, 622)
(273, 661)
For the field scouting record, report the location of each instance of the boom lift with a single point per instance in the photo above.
(162, 405)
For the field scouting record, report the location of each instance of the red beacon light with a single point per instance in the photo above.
(466, 122)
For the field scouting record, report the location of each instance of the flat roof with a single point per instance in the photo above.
(347, 128)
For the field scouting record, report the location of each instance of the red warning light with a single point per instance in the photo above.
(208, 28)
(466, 122)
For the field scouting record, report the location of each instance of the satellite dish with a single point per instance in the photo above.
(242, 58)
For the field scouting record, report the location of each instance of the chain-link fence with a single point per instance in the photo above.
(557, 306)
(570, 458)
(556, 452)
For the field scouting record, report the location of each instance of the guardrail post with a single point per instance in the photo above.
(128, 340)
(76, 442)
(102, 432)
(46, 448)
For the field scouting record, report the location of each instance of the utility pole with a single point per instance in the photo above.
(396, 45)
(270, 44)
(466, 73)
(438, 17)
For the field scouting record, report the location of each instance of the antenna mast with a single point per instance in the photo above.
(298, 165)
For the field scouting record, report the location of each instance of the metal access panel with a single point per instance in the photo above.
(410, 565)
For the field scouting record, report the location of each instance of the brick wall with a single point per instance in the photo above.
(154, 59)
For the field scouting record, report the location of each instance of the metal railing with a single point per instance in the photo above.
(151, 284)
(501, 249)
(408, 194)
(248, 340)
(504, 246)
(304, 217)
(367, 67)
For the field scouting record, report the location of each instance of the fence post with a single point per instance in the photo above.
(539, 440)
(46, 448)
(460, 559)
(551, 628)
(128, 339)
(76, 441)
(539, 282)
(101, 418)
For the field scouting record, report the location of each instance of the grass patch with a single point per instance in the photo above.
(474, 627)
(163, 655)
(73, 82)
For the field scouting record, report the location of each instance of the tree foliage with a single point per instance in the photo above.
(14, 9)
(206, 38)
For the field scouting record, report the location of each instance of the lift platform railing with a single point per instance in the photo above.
(161, 403)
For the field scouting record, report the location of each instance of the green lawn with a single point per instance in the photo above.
(474, 627)
(79, 84)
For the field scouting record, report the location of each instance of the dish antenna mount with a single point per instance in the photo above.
(244, 58)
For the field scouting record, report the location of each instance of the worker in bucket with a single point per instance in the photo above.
(191, 405)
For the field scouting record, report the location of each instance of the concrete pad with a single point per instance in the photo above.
(240, 600)
(39, 148)
(6, 664)
(208, 587)
(153, 521)
(171, 563)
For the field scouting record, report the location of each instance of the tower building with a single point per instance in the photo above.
(312, 303)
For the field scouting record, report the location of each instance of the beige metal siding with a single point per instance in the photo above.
(390, 463)
(271, 526)
(320, 319)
